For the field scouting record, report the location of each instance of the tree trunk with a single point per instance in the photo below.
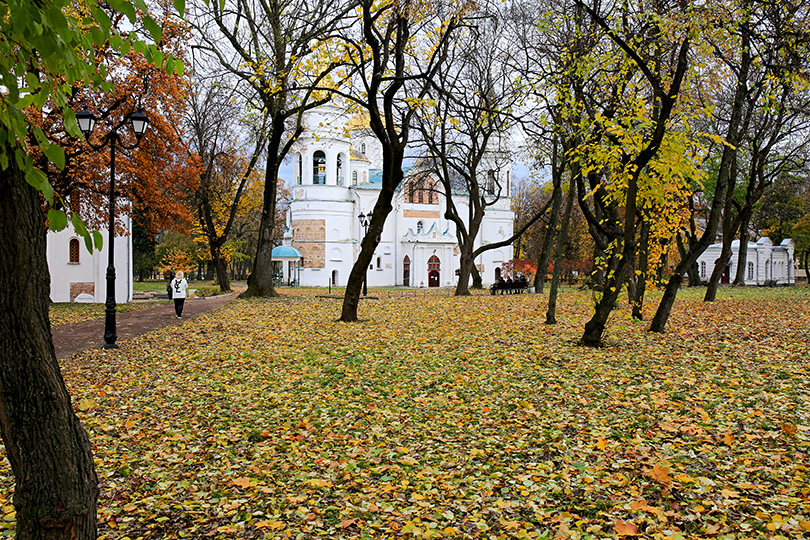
(477, 281)
(595, 327)
(220, 268)
(548, 239)
(466, 264)
(742, 254)
(467, 260)
(261, 275)
(643, 267)
(392, 177)
(551, 313)
(719, 269)
(49, 451)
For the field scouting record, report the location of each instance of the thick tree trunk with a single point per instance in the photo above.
(261, 275)
(49, 451)
(467, 261)
(466, 264)
(392, 177)
(551, 313)
(220, 268)
(477, 281)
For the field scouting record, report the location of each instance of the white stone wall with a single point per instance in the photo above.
(91, 268)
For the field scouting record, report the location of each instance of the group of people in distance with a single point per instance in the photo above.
(509, 286)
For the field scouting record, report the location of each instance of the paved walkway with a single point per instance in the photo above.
(72, 338)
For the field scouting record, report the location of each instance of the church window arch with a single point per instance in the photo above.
(406, 271)
(354, 178)
(365, 177)
(299, 169)
(419, 226)
(73, 251)
(363, 149)
(339, 169)
(750, 270)
(702, 269)
(319, 168)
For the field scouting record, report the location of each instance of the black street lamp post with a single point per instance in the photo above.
(139, 122)
(365, 221)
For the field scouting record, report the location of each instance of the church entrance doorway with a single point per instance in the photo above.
(334, 278)
(406, 271)
(726, 277)
(433, 271)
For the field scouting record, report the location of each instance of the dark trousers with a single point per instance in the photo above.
(178, 306)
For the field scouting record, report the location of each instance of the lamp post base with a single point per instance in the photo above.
(109, 346)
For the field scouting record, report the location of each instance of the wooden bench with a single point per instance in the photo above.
(506, 287)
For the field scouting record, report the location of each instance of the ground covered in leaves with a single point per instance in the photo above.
(72, 312)
(446, 417)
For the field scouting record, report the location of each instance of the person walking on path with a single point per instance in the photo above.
(179, 287)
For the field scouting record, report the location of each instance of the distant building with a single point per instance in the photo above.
(337, 166)
(78, 275)
(766, 264)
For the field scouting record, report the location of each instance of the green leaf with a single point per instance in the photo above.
(180, 6)
(78, 224)
(154, 28)
(39, 181)
(57, 219)
(98, 240)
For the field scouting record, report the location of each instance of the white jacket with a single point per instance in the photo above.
(179, 287)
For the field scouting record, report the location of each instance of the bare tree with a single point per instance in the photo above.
(280, 51)
(395, 48)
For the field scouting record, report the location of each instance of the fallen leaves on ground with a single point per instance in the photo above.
(448, 417)
(73, 312)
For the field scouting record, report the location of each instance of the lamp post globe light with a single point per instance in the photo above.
(365, 221)
(139, 122)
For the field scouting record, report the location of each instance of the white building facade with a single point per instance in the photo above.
(337, 176)
(78, 275)
(766, 264)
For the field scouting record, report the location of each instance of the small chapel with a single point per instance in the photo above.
(337, 176)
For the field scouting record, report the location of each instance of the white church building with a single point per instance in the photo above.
(80, 276)
(337, 172)
(766, 264)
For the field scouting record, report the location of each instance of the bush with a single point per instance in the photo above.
(207, 290)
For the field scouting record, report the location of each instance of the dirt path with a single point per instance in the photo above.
(72, 338)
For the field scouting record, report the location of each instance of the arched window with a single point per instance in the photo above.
(702, 269)
(299, 173)
(363, 149)
(379, 263)
(421, 191)
(419, 227)
(750, 270)
(354, 178)
(430, 192)
(365, 177)
(411, 192)
(406, 271)
(339, 169)
(490, 182)
(319, 168)
(74, 251)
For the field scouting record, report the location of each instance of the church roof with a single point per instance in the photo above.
(285, 252)
(357, 156)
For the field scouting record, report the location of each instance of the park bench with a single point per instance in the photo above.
(510, 287)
